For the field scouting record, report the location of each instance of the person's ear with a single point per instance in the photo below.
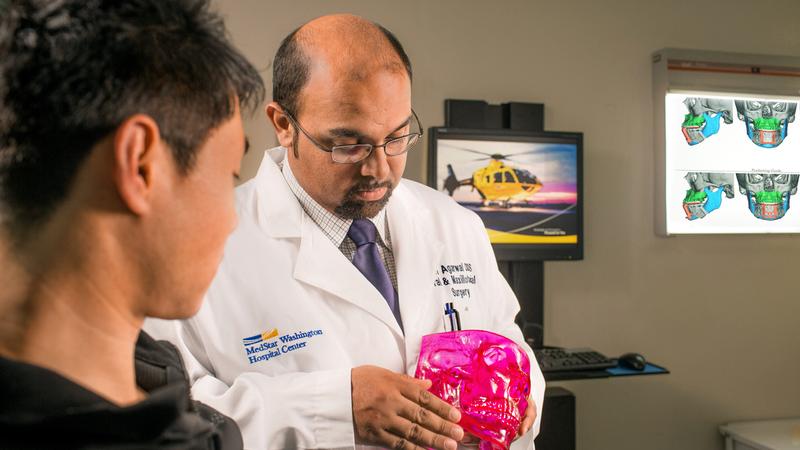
(284, 130)
(138, 149)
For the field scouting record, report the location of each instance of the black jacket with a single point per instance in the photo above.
(40, 409)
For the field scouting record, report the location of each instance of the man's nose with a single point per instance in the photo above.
(376, 165)
(769, 184)
(766, 111)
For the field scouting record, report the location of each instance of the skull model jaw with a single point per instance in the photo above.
(499, 423)
(766, 121)
(768, 194)
(485, 375)
(767, 210)
(766, 138)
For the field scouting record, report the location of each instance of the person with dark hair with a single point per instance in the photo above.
(120, 140)
(339, 266)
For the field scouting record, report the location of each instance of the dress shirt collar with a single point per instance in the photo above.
(332, 225)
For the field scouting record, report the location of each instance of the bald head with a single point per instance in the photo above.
(346, 48)
(348, 45)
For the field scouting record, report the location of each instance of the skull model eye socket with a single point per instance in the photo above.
(754, 178)
(753, 105)
(782, 179)
(779, 106)
(493, 356)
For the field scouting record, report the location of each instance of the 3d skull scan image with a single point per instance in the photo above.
(767, 121)
(705, 193)
(768, 194)
(703, 118)
(485, 375)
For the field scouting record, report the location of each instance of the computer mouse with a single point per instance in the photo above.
(633, 361)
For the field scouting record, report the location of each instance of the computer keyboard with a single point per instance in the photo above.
(561, 359)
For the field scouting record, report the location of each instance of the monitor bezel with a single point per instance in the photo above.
(519, 252)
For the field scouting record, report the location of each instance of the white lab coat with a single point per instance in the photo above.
(280, 272)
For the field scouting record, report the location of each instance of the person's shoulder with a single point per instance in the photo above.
(430, 197)
(439, 203)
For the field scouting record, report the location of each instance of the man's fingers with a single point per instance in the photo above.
(418, 435)
(424, 384)
(431, 402)
(397, 412)
(427, 419)
(530, 417)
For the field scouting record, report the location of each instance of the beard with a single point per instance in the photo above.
(353, 208)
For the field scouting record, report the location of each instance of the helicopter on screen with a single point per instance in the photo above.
(497, 182)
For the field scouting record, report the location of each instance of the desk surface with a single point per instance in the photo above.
(781, 434)
(650, 369)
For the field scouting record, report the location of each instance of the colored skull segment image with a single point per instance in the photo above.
(485, 375)
(767, 121)
(703, 118)
(705, 194)
(768, 194)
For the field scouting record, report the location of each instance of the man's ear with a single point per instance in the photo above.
(138, 150)
(284, 130)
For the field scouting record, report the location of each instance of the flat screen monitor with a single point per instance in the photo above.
(525, 186)
(732, 163)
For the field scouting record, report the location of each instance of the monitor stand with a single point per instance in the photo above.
(526, 279)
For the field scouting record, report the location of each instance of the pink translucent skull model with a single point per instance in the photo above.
(483, 374)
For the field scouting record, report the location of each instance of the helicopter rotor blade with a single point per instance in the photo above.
(550, 150)
(472, 151)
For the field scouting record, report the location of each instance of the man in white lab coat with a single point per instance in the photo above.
(338, 266)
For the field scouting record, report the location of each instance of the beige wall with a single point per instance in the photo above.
(721, 312)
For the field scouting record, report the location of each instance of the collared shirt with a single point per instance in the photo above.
(335, 227)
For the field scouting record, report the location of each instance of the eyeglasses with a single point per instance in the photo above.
(350, 154)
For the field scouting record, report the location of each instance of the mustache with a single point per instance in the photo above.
(368, 185)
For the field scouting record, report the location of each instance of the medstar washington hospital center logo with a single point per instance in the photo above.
(271, 344)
